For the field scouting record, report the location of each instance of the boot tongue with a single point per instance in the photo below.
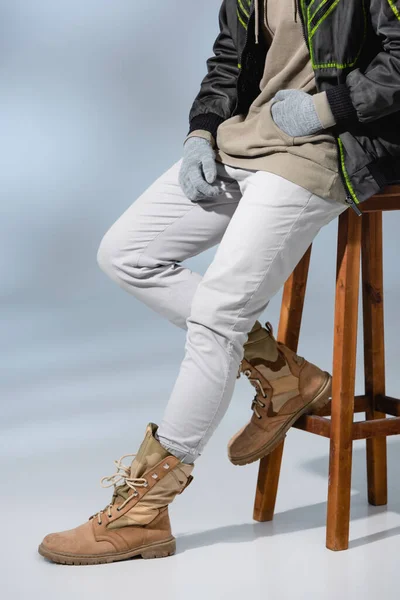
(258, 332)
(261, 344)
(149, 454)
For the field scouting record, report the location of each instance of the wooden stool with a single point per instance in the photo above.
(357, 237)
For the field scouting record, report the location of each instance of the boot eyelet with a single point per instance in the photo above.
(146, 484)
(118, 509)
(260, 417)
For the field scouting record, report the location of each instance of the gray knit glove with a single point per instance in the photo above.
(198, 169)
(294, 112)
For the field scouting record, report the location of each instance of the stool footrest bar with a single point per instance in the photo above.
(376, 428)
(314, 424)
(388, 405)
(360, 405)
(361, 430)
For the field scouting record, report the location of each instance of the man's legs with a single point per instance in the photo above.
(143, 250)
(263, 237)
(273, 225)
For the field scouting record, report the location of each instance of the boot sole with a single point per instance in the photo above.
(157, 550)
(320, 400)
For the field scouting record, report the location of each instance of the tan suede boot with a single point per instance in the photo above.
(287, 387)
(136, 522)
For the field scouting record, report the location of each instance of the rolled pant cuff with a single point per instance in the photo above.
(185, 456)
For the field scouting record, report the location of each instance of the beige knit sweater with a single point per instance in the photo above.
(254, 141)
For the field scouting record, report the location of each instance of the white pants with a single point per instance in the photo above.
(264, 224)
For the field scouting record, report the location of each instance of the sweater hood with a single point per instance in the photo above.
(256, 6)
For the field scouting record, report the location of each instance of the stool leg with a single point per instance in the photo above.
(288, 334)
(344, 366)
(374, 350)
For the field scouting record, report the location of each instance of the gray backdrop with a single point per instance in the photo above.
(94, 103)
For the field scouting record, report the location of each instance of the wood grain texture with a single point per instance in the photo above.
(388, 199)
(314, 424)
(388, 405)
(288, 333)
(360, 405)
(374, 351)
(358, 238)
(344, 367)
(375, 429)
(267, 485)
(371, 430)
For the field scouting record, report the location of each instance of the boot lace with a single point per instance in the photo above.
(255, 382)
(122, 474)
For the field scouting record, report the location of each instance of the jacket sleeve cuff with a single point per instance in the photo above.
(340, 103)
(207, 121)
(323, 110)
(203, 133)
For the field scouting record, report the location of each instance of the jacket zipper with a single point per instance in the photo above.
(353, 205)
(349, 199)
(303, 28)
(241, 56)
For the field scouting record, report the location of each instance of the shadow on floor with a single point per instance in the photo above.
(312, 516)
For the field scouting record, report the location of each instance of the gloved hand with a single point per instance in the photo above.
(294, 112)
(198, 169)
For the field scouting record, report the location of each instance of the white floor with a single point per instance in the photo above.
(221, 551)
